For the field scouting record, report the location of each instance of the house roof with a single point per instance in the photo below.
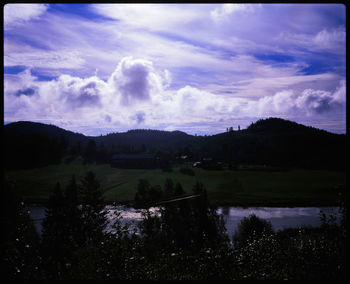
(133, 156)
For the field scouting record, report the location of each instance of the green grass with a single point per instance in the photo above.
(245, 188)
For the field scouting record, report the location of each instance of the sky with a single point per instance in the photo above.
(199, 68)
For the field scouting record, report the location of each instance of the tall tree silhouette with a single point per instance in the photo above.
(55, 240)
(19, 240)
(94, 220)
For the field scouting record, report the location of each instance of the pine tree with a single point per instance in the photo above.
(19, 241)
(169, 188)
(94, 220)
(178, 189)
(55, 248)
(73, 212)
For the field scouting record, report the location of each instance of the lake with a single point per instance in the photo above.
(280, 217)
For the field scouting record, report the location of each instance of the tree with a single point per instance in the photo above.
(94, 221)
(169, 188)
(73, 213)
(19, 241)
(178, 189)
(55, 241)
(251, 227)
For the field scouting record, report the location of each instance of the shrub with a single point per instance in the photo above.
(251, 227)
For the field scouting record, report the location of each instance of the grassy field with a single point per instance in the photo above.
(242, 188)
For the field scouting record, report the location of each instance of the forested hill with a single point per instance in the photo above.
(275, 141)
(271, 141)
(151, 139)
(49, 130)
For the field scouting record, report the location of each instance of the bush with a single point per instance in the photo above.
(249, 228)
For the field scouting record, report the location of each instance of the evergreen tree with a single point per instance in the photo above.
(94, 220)
(178, 189)
(19, 248)
(142, 193)
(73, 213)
(169, 188)
(56, 247)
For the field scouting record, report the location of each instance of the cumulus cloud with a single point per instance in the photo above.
(136, 94)
(308, 102)
(135, 79)
(15, 14)
(133, 85)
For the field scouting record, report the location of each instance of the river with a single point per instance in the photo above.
(280, 217)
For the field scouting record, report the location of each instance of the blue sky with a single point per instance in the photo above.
(199, 68)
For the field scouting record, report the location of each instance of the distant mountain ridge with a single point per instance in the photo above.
(268, 125)
(272, 141)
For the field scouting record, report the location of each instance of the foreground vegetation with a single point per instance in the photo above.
(244, 186)
(187, 241)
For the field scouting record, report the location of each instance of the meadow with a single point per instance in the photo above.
(244, 187)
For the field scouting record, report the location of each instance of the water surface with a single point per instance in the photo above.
(280, 217)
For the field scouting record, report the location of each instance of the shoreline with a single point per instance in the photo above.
(41, 203)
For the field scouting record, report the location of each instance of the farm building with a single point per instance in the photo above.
(134, 161)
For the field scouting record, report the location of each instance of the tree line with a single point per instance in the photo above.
(187, 240)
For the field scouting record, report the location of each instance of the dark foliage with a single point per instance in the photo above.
(20, 244)
(250, 228)
(272, 142)
(33, 150)
(187, 241)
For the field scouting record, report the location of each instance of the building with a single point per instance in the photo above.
(134, 161)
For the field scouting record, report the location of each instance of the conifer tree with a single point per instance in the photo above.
(169, 188)
(94, 220)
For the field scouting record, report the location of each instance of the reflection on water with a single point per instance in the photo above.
(280, 218)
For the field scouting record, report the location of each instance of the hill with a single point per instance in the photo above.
(156, 139)
(280, 142)
(49, 130)
(272, 141)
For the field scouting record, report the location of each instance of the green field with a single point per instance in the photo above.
(294, 187)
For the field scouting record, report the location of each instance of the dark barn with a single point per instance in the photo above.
(134, 161)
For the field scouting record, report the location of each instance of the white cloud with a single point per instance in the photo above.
(15, 14)
(136, 94)
(225, 10)
(333, 40)
(44, 59)
(151, 16)
(309, 102)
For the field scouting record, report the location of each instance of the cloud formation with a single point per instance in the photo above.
(225, 10)
(15, 14)
(136, 94)
(135, 80)
(171, 66)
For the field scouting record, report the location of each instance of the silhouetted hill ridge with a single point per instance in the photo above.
(49, 130)
(279, 125)
(273, 141)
